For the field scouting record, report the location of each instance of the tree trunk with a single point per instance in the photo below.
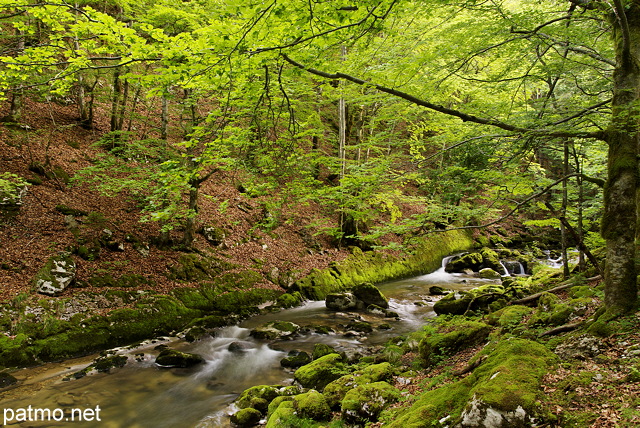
(619, 219)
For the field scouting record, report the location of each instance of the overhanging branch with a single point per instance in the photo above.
(465, 117)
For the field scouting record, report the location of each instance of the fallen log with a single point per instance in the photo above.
(561, 329)
(534, 297)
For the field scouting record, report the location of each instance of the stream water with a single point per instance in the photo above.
(142, 395)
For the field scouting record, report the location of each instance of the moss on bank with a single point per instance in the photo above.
(376, 267)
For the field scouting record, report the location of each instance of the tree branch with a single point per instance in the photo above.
(465, 117)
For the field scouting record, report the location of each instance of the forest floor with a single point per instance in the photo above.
(54, 142)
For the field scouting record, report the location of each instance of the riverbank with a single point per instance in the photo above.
(38, 330)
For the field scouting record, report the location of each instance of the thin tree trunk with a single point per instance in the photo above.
(565, 199)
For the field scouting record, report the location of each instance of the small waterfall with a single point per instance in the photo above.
(512, 267)
(440, 275)
(504, 268)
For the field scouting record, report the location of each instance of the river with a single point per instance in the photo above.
(142, 395)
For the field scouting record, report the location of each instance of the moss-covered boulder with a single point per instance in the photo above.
(341, 301)
(552, 311)
(275, 330)
(470, 261)
(321, 372)
(257, 397)
(246, 417)
(312, 405)
(321, 349)
(57, 274)
(479, 298)
(488, 273)
(455, 336)
(295, 359)
(491, 260)
(175, 358)
(336, 390)
(509, 317)
(370, 295)
(365, 402)
(289, 300)
(503, 391)
(281, 415)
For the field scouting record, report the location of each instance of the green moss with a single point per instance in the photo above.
(321, 349)
(336, 390)
(451, 338)
(289, 300)
(376, 267)
(321, 372)
(509, 317)
(312, 405)
(365, 402)
(192, 268)
(246, 417)
(509, 377)
(275, 403)
(283, 416)
(263, 392)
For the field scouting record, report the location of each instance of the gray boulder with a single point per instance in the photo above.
(56, 275)
(341, 301)
(370, 295)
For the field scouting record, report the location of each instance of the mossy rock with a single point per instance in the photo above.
(365, 402)
(312, 405)
(56, 275)
(341, 301)
(370, 295)
(509, 317)
(289, 300)
(321, 349)
(360, 326)
(471, 261)
(275, 403)
(453, 304)
(295, 359)
(336, 390)
(275, 330)
(106, 363)
(553, 313)
(458, 335)
(491, 260)
(504, 388)
(6, 380)
(175, 358)
(246, 417)
(192, 268)
(477, 299)
(284, 412)
(249, 396)
(488, 273)
(321, 372)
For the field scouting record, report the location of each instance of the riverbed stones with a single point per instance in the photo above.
(370, 295)
(7, 380)
(56, 275)
(295, 359)
(275, 330)
(341, 301)
(320, 372)
(174, 358)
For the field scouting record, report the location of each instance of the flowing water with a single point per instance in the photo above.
(142, 395)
